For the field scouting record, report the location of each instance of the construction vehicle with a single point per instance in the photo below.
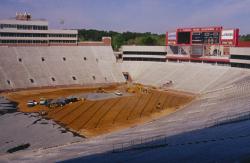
(137, 88)
(101, 90)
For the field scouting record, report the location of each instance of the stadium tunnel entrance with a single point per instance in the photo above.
(127, 76)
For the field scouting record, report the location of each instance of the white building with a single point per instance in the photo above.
(24, 30)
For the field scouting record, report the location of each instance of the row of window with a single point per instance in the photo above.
(23, 27)
(62, 41)
(23, 35)
(23, 41)
(35, 41)
(145, 59)
(35, 35)
(241, 65)
(62, 35)
(145, 53)
(53, 79)
(243, 57)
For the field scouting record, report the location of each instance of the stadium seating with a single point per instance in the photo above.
(51, 66)
(223, 91)
(191, 77)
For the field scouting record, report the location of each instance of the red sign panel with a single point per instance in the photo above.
(200, 29)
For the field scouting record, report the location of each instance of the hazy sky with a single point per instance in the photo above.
(156, 16)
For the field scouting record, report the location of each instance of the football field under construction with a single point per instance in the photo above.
(95, 116)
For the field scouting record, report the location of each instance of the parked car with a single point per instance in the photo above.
(35, 102)
(31, 103)
(42, 101)
(57, 102)
(71, 99)
(47, 102)
(118, 93)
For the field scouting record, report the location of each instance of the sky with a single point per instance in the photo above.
(156, 16)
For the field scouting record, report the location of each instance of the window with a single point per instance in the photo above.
(93, 77)
(142, 53)
(64, 59)
(242, 65)
(97, 60)
(20, 59)
(53, 79)
(8, 81)
(43, 59)
(85, 58)
(32, 80)
(243, 57)
(106, 79)
(73, 77)
(120, 56)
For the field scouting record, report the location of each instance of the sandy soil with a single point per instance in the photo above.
(22, 97)
(92, 118)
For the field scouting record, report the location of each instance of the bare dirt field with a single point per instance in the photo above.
(94, 117)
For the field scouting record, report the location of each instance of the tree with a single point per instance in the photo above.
(117, 41)
(148, 40)
(245, 37)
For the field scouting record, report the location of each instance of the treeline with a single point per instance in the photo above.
(245, 37)
(125, 38)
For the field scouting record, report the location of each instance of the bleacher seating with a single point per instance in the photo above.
(223, 93)
(26, 67)
(191, 77)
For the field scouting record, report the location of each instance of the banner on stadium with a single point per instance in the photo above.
(172, 36)
(227, 34)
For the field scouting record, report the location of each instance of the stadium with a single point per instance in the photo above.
(154, 103)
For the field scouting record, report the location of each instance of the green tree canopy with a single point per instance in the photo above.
(117, 41)
(125, 38)
(245, 37)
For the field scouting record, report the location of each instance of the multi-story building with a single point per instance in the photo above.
(25, 30)
(144, 53)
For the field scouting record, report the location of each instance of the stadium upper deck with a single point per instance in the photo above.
(24, 30)
(34, 56)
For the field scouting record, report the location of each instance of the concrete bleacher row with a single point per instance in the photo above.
(195, 78)
(18, 128)
(25, 67)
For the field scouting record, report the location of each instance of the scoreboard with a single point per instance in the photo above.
(205, 37)
(208, 35)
